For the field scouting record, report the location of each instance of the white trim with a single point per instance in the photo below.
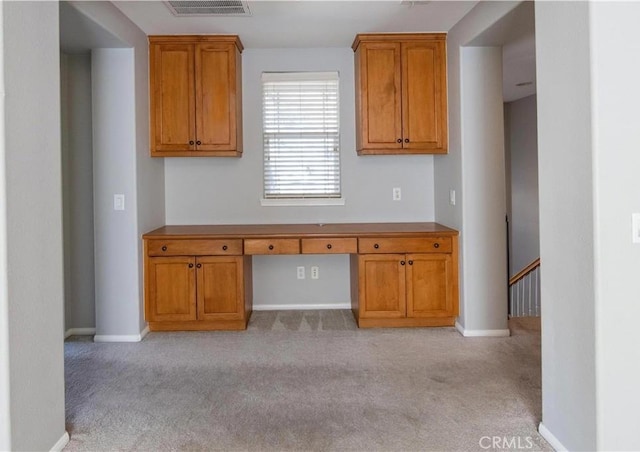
(79, 332)
(551, 438)
(284, 202)
(121, 338)
(482, 333)
(300, 307)
(59, 445)
(295, 76)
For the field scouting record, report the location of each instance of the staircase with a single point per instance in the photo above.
(524, 292)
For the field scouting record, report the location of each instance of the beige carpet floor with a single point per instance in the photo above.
(305, 380)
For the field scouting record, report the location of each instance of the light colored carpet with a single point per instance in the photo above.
(304, 380)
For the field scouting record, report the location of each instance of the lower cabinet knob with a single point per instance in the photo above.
(270, 247)
(406, 140)
(198, 142)
(224, 247)
(190, 265)
(329, 246)
(191, 142)
(402, 262)
(410, 262)
(199, 265)
(436, 245)
(376, 246)
(164, 248)
(399, 140)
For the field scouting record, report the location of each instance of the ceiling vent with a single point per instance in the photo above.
(190, 8)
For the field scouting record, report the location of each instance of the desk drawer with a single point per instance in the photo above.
(329, 246)
(405, 245)
(194, 247)
(272, 246)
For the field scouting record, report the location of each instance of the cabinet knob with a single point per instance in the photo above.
(399, 140)
(270, 247)
(406, 140)
(328, 246)
(190, 265)
(410, 262)
(224, 247)
(402, 262)
(200, 142)
(376, 246)
(191, 142)
(436, 245)
(164, 248)
(199, 265)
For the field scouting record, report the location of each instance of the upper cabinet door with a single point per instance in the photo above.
(424, 96)
(379, 106)
(216, 97)
(401, 93)
(173, 98)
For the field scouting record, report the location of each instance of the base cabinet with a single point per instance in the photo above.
(198, 292)
(404, 290)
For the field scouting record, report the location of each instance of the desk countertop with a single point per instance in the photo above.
(301, 230)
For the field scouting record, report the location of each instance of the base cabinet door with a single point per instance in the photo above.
(429, 285)
(171, 286)
(220, 288)
(382, 286)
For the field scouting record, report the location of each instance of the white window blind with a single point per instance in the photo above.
(301, 135)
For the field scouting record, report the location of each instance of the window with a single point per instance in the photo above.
(301, 138)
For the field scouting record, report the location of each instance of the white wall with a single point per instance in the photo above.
(77, 185)
(567, 224)
(521, 151)
(116, 241)
(5, 390)
(228, 191)
(126, 166)
(32, 215)
(452, 172)
(484, 248)
(615, 41)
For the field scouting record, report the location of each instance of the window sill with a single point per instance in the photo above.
(291, 202)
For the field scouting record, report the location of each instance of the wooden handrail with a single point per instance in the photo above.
(524, 272)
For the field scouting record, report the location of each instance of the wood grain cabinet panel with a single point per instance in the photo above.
(405, 245)
(195, 247)
(171, 286)
(220, 288)
(401, 93)
(429, 284)
(196, 96)
(329, 246)
(383, 287)
(272, 246)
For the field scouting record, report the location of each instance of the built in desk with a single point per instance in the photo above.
(199, 277)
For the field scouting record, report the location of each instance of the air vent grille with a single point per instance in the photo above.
(190, 8)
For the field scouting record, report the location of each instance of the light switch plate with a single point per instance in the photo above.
(635, 222)
(118, 202)
(452, 197)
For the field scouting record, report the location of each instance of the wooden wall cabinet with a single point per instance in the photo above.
(398, 289)
(196, 96)
(401, 93)
(196, 292)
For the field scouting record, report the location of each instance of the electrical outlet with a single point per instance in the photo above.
(301, 273)
(397, 194)
(315, 273)
(118, 202)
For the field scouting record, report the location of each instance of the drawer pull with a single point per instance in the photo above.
(329, 246)
(224, 247)
(270, 247)
(376, 246)
(436, 245)
(164, 248)
(410, 262)
(190, 265)
(402, 262)
(199, 265)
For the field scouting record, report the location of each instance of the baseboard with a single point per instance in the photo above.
(121, 338)
(79, 332)
(482, 333)
(550, 438)
(300, 307)
(59, 445)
